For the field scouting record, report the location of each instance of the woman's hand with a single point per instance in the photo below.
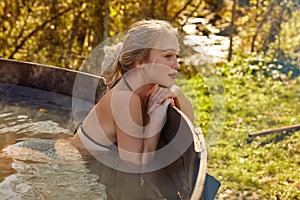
(179, 100)
(160, 94)
(158, 118)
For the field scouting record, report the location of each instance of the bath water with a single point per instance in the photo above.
(37, 160)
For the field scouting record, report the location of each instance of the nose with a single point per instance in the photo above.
(175, 64)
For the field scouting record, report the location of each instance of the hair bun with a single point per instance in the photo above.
(112, 55)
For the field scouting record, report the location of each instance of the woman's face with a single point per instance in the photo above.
(162, 65)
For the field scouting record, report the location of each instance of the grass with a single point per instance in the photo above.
(265, 167)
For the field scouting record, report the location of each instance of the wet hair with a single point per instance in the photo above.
(135, 49)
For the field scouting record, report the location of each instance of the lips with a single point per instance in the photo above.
(173, 75)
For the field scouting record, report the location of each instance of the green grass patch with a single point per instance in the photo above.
(265, 167)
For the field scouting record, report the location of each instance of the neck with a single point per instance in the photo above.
(138, 83)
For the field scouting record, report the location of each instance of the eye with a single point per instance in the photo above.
(169, 56)
(172, 56)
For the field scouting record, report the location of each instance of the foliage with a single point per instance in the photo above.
(262, 26)
(262, 65)
(63, 33)
(38, 31)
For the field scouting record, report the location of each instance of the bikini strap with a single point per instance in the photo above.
(112, 147)
(77, 127)
(127, 84)
(115, 83)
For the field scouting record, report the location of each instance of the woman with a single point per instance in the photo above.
(140, 74)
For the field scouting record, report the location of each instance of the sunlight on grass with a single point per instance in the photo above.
(265, 167)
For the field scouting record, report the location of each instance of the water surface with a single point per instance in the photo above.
(37, 159)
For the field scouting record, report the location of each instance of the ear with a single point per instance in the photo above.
(138, 64)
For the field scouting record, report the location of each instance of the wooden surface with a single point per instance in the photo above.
(276, 130)
(50, 78)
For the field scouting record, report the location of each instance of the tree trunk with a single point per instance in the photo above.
(106, 20)
(152, 9)
(232, 27)
(165, 10)
(98, 21)
(261, 24)
(74, 31)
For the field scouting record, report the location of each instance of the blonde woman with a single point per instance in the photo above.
(140, 74)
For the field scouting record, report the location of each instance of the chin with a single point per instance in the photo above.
(164, 82)
(168, 84)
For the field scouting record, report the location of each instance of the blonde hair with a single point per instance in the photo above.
(138, 42)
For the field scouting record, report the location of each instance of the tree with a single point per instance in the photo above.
(63, 33)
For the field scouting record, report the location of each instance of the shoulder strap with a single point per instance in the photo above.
(127, 84)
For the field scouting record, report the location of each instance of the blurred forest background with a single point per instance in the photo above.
(257, 46)
(63, 32)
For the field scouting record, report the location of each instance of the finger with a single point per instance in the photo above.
(153, 99)
(153, 95)
(161, 95)
(152, 107)
(173, 102)
(156, 93)
(166, 103)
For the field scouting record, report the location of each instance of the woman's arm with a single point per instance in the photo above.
(137, 143)
(153, 129)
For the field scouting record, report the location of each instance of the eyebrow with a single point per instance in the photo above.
(174, 50)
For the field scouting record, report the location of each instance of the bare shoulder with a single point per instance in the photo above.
(126, 105)
(124, 98)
